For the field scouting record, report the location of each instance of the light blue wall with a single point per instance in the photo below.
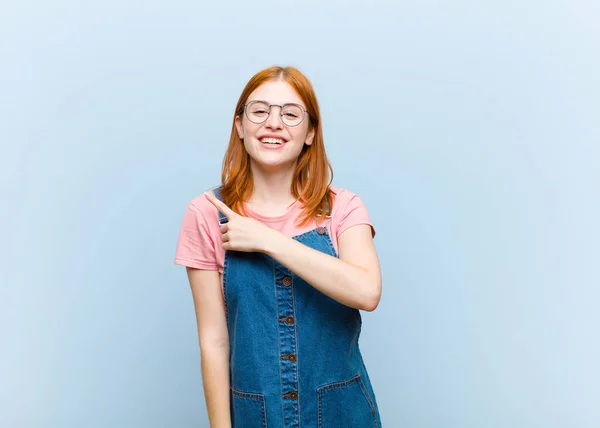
(470, 129)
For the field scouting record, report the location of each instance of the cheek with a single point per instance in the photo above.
(250, 129)
(299, 135)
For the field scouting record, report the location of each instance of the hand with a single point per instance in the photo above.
(242, 233)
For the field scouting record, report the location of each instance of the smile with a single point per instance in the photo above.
(270, 140)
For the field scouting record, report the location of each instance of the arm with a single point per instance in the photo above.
(353, 280)
(213, 338)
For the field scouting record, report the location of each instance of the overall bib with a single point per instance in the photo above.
(294, 355)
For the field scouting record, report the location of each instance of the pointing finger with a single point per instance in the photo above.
(228, 212)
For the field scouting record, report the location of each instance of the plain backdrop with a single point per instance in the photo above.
(470, 130)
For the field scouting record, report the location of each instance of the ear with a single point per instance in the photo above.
(240, 129)
(309, 137)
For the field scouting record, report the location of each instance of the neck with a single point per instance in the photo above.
(272, 187)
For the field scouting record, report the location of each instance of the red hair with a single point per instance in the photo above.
(313, 173)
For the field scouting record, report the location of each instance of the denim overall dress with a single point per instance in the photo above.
(294, 355)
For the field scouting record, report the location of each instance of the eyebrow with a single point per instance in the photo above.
(266, 102)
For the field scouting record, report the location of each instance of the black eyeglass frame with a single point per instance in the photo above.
(281, 107)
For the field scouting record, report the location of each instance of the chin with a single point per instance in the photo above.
(273, 163)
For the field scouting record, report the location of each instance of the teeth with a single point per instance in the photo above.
(272, 141)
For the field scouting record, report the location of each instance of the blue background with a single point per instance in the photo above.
(470, 130)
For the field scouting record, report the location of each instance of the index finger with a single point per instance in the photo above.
(228, 212)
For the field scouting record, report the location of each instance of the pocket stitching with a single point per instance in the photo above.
(255, 397)
(368, 397)
(340, 384)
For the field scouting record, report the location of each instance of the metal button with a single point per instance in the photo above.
(287, 281)
(321, 230)
(291, 357)
(291, 395)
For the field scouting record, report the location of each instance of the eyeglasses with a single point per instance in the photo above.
(291, 114)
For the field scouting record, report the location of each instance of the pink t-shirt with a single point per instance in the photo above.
(199, 245)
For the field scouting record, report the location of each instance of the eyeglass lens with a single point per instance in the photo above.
(258, 111)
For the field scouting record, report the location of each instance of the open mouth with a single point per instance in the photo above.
(272, 141)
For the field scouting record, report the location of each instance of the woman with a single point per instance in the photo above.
(280, 264)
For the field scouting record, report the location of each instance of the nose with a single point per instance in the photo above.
(274, 119)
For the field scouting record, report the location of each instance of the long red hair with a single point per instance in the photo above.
(313, 173)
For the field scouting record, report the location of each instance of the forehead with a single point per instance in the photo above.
(276, 92)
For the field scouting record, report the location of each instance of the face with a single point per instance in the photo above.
(272, 143)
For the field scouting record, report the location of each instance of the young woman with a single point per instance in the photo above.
(280, 263)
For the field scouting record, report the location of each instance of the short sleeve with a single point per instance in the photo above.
(352, 212)
(195, 247)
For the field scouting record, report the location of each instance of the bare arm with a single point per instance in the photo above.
(213, 338)
(353, 280)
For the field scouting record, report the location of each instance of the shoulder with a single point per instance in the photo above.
(204, 209)
(341, 191)
(199, 232)
(342, 198)
(348, 210)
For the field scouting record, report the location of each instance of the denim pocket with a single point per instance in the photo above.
(346, 404)
(248, 410)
